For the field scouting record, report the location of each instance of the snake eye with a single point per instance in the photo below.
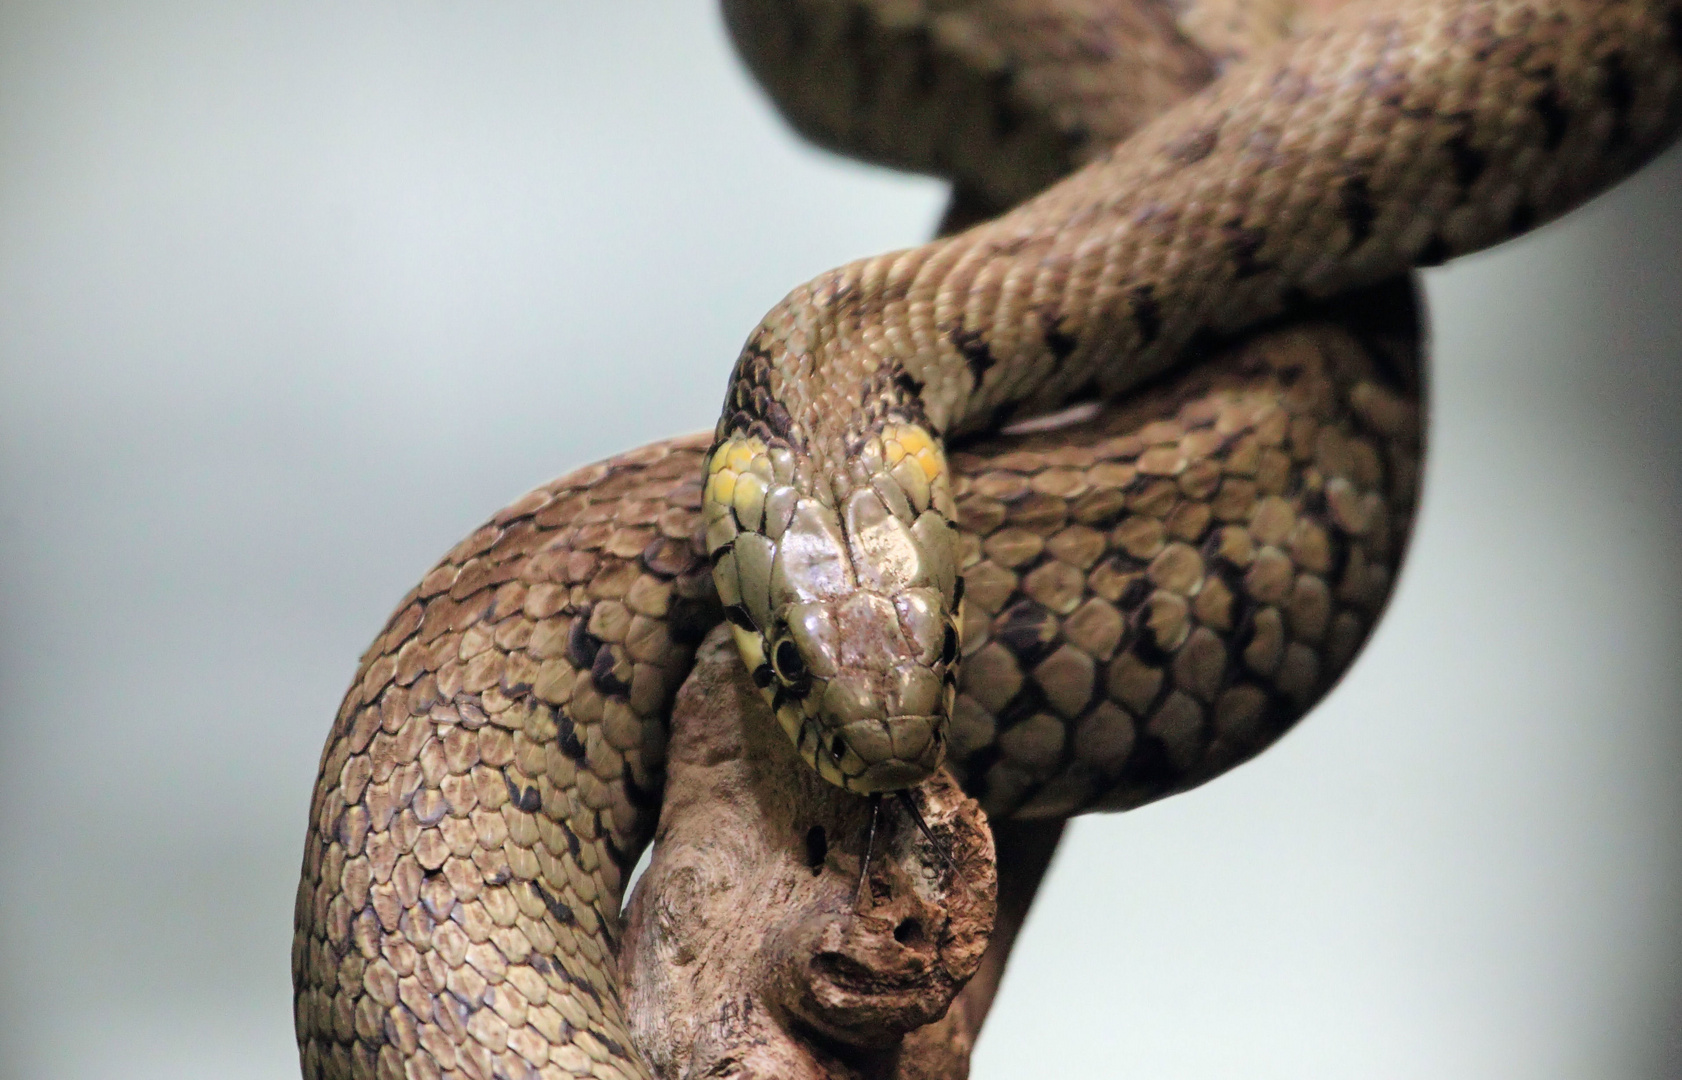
(791, 667)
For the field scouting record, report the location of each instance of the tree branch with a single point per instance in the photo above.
(751, 949)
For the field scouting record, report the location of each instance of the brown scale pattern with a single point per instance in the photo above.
(1155, 597)
(493, 773)
(1386, 136)
(995, 96)
(1152, 597)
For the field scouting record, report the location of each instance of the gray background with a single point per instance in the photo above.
(292, 296)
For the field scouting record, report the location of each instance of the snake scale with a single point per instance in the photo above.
(1109, 609)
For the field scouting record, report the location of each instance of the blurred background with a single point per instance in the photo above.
(292, 296)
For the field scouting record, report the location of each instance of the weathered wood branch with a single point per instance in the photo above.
(751, 949)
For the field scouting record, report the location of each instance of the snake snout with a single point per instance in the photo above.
(884, 730)
(885, 670)
(891, 753)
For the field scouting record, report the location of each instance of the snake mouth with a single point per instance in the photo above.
(870, 756)
(891, 776)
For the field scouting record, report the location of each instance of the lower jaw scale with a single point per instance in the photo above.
(891, 776)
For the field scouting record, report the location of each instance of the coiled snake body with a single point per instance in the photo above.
(1086, 617)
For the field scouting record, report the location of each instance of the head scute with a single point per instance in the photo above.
(843, 601)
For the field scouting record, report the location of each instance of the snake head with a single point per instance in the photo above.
(845, 610)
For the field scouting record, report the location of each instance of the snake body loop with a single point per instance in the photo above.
(1106, 610)
(1390, 136)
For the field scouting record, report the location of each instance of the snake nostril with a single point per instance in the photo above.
(908, 932)
(949, 645)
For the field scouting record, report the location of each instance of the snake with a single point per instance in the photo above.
(1088, 500)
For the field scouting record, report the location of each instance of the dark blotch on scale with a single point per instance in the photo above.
(1244, 243)
(1150, 768)
(601, 674)
(582, 646)
(1468, 162)
(1358, 210)
(614, 852)
(1027, 630)
(1134, 596)
(1060, 344)
(643, 798)
(556, 907)
(1147, 313)
(1552, 112)
(907, 384)
(974, 351)
(570, 744)
(525, 799)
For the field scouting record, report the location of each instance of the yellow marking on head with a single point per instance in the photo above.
(721, 487)
(742, 453)
(736, 453)
(913, 438)
(900, 441)
(749, 499)
(933, 463)
(729, 466)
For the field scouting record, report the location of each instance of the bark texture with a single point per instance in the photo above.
(753, 949)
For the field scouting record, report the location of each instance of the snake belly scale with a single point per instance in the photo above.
(1096, 615)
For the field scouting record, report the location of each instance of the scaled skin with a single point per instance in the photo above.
(847, 609)
(1390, 136)
(1152, 597)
